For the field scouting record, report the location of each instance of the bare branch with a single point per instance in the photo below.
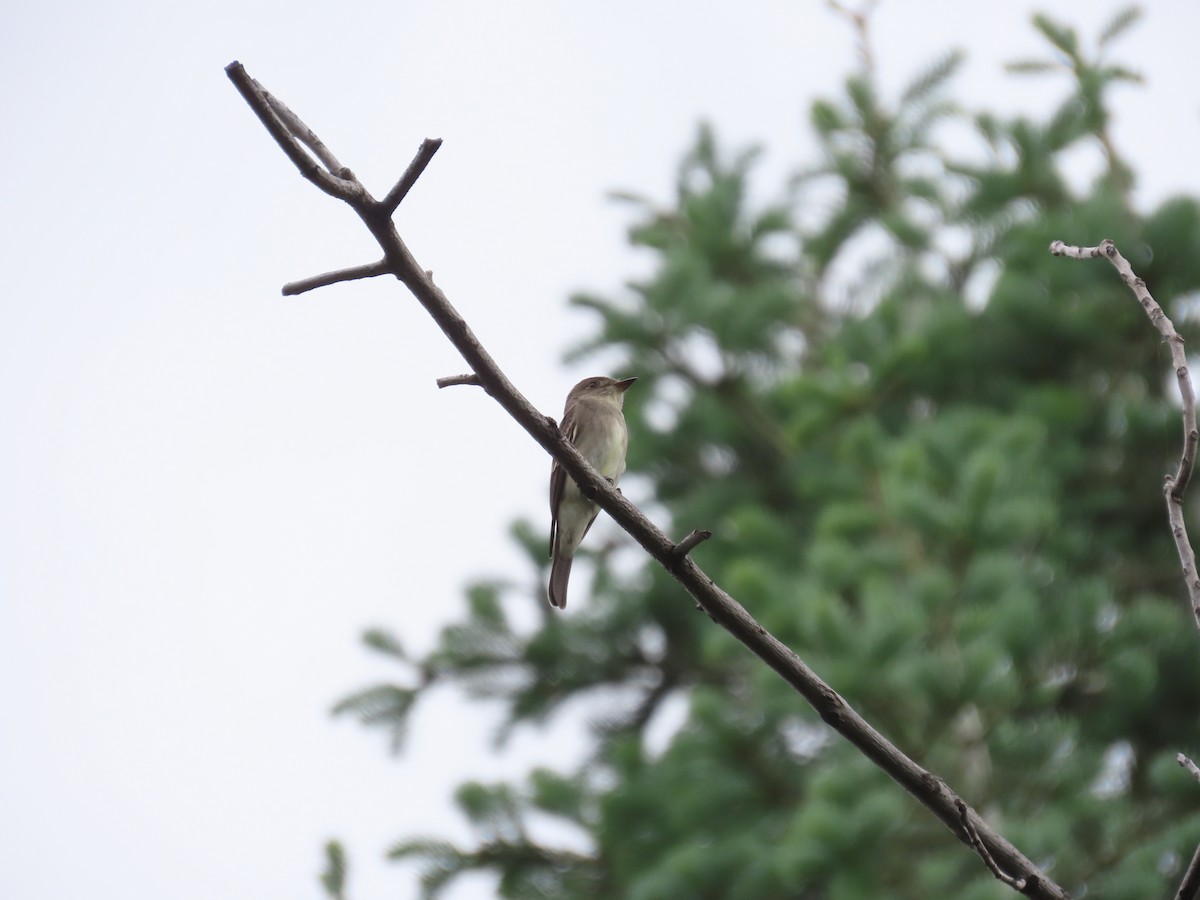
(451, 380)
(303, 133)
(1189, 765)
(396, 195)
(254, 94)
(689, 543)
(1190, 886)
(860, 20)
(1173, 485)
(1058, 248)
(720, 606)
(370, 270)
(1017, 884)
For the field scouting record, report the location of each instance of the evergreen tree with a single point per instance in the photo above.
(938, 480)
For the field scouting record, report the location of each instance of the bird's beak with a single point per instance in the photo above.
(623, 386)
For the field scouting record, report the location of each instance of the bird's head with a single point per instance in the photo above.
(601, 387)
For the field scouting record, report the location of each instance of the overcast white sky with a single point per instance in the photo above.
(208, 491)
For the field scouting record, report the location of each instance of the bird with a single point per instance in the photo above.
(593, 422)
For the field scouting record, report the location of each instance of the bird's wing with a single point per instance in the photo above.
(558, 478)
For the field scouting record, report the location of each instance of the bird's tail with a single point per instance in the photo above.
(560, 572)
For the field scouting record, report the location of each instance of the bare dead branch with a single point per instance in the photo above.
(720, 606)
(1189, 765)
(689, 543)
(254, 94)
(370, 270)
(396, 195)
(1017, 884)
(451, 380)
(1175, 485)
(303, 133)
(1190, 886)
(860, 19)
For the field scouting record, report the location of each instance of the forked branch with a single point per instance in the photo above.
(1001, 856)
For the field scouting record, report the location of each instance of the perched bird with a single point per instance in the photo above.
(594, 423)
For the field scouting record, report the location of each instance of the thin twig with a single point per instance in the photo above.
(1175, 485)
(451, 380)
(860, 20)
(689, 543)
(304, 134)
(354, 273)
(256, 96)
(972, 834)
(396, 195)
(1189, 765)
(1190, 886)
(833, 709)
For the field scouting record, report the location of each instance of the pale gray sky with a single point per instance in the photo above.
(208, 491)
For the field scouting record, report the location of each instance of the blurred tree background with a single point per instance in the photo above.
(932, 455)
